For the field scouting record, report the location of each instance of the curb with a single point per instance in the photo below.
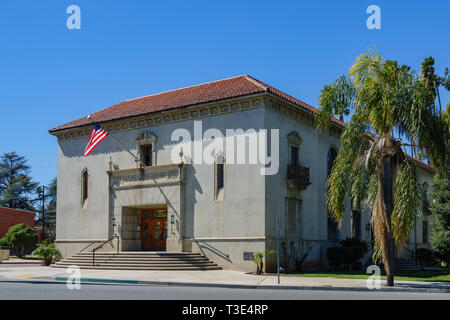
(247, 286)
(31, 262)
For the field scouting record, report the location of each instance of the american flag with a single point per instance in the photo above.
(97, 136)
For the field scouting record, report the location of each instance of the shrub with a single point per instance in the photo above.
(440, 237)
(348, 254)
(4, 242)
(335, 256)
(21, 236)
(425, 257)
(258, 259)
(47, 252)
(356, 247)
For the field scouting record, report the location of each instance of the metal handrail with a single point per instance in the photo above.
(102, 244)
(297, 172)
(82, 250)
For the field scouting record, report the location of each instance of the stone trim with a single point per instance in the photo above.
(188, 113)
(167, 174)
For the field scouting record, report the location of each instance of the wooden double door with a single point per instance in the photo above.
(154, 229)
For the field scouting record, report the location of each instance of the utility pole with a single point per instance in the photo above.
(42, 189)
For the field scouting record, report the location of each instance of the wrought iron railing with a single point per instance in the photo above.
(299, 173)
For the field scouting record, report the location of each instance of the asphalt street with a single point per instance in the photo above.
(49, 290)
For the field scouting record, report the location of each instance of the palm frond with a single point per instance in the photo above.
(407, 202)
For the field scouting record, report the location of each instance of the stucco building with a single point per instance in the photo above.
(224, 208)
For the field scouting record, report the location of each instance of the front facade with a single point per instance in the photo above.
(170, 201)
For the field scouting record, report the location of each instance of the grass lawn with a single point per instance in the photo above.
(431, 276)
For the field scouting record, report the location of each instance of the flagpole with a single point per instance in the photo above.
(119, 143)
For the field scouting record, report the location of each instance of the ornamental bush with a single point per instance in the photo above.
(21, 236)
(425, 257)
(348, 255)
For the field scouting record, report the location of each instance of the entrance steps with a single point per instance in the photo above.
(139, 261)
(406, 265)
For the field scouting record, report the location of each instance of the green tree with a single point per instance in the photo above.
(434, 81)
(21, 236)
(336, 99)
(15, 182)
(371, 165)
(440, 207)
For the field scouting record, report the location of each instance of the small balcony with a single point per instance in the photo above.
(297, 177)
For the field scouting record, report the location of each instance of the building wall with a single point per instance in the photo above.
(218, 228)
(313, 211)
(10, 217)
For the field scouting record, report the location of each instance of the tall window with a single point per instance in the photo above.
(425, 203)
(425, 231)
(146, 147)
(146, 154)
(294, 156)
(332, 155)
(84, 185)
(332, 225)
(356, 224)
(220, 179)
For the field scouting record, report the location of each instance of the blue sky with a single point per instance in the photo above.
(50, 75)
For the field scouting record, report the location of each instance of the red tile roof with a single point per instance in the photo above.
(208, 92)
(421, 163)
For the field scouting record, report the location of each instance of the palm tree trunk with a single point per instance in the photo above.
(388, 195)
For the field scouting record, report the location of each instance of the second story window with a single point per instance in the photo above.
(294, 142)
(332, 155)
(146, 146)
(84, 186)
(147, 155)
(220, 176)
(294, 156)
(332, 225)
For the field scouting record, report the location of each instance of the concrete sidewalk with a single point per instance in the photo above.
(20, 261)
(216, 278)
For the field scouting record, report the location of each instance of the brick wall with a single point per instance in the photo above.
(10, 217)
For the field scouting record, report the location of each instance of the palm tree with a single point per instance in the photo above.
(47, 252)
(372, 167)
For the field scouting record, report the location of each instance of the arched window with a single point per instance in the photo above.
(220, 177)
(332, 155)
(332, 225)
(84, 185)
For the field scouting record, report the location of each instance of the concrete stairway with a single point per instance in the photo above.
(405, 265)
(139, 261)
